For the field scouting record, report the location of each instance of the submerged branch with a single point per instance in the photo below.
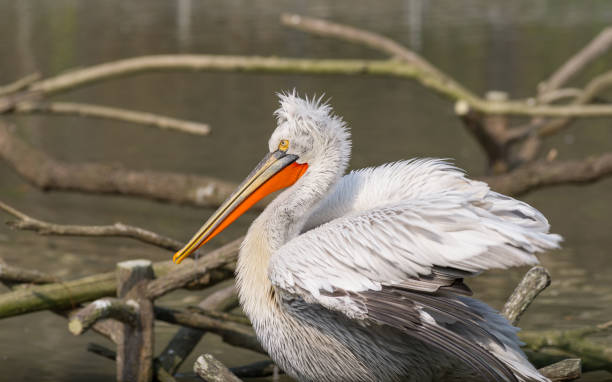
(105, 112)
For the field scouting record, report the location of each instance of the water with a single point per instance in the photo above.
(486, 45)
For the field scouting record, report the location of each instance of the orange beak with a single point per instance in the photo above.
(276, 171)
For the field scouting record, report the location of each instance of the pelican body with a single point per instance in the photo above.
(359, 277)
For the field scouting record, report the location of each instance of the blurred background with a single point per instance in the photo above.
(486, 45)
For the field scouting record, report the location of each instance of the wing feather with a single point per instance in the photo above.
(391, 245)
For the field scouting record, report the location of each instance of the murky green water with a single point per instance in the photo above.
(484, 44)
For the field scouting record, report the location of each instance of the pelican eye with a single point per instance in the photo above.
(283, 145)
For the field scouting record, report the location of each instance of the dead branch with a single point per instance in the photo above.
(48, 173)
(105, 112)
(124, 311)
(595, 87)
(26, 222)
(560, 94)
(186, 339)
(566, 370)
(535, 281)
(545, 174)
(393, 68)
(19, 84)
(597, 47)
(187, 275)
(232, 333)
(375, 41)
(210, 369)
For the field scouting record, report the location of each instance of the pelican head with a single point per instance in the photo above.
(309, 137)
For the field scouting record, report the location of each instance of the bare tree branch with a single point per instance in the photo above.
(14, 275)
(186, 275)
(19, 84)
(96, 111)
(186, 339)
(593, 355)
(48, 173)
(102, 351)
(400, 69)
(598, 46)
(120, 310)
(211, 369)
(69, 294)
(370, 39)
(231, 332)
(595, 87)
(545, 174)
(566, 370)
(255, 370)
(535, 281)
(26, 222)
(560, 94)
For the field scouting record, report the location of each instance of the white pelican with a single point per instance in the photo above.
(359, 277)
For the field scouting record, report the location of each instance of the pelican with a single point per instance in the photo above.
(359, 277)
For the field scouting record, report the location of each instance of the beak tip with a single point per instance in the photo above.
(177, 258)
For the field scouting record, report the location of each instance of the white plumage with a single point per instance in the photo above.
(360, 277)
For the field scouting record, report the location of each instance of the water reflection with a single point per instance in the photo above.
(484, 44)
